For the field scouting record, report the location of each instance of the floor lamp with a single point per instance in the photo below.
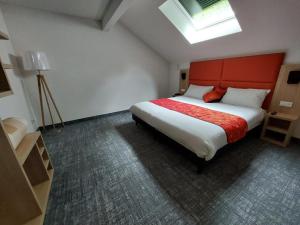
(37, 61)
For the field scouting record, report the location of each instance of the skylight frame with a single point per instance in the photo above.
(195, 21)
(184, 22)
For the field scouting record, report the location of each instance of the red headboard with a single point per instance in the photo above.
(260, 71)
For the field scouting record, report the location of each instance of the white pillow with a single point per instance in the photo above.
(245, 97)
(196, 91)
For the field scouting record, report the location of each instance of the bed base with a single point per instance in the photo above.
(201, 163)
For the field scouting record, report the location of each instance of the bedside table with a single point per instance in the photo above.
(177, 94)
(278, 128)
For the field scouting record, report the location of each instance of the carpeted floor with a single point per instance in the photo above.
(110, 171)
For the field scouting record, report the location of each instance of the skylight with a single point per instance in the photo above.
(201, 20)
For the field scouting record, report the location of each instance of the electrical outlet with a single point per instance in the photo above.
(182, 90)
(286, 104)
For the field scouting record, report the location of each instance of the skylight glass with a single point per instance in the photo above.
(194, 7)
(200, 20)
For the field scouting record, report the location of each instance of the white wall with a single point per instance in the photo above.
(13, 105)
(174, 76)
(94, 72)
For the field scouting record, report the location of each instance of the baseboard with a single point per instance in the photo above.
(58, 125)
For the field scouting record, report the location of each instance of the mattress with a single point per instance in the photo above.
(202, 138)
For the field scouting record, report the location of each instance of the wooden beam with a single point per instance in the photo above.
(113, 12)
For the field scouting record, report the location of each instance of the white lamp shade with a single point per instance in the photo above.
(35, 60)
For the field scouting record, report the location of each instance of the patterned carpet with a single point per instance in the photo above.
(110, 171)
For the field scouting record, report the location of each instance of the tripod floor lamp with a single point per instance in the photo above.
(37, 61)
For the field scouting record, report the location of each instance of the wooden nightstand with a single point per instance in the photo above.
(278, 128)
(177, 94)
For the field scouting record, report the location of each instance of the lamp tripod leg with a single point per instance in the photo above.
(47, 101)
(51, 97)
(41, 99)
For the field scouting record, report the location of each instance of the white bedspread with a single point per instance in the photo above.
(201, 137)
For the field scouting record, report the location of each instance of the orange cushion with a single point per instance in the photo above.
(215, 95)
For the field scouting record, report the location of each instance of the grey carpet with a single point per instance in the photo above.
(109, 171)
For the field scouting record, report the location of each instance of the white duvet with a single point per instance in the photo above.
(202, 138)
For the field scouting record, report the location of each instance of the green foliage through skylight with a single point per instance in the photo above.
(205, 13)
(194, 7)
(206, 3)
(200, 20)
(216, 13)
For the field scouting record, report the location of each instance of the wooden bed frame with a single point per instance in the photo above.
(259, 72)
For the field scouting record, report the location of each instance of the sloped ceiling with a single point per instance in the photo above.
(92, 9)
(268, 26)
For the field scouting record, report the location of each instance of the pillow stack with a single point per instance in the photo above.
(233, 96)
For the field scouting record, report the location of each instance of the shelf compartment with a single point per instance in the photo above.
(45, 155)
(273, 141)
(50, 167)
(42, 192)
(34, 167)
(40, 142)
(46, 163)
(279, 123)
(275, 136)
(41, 150)
(25, 147)
(277, 129)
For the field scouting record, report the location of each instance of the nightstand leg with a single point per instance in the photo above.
(288, 135)
(264, 127)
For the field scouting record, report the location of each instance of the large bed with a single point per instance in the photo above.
(201, 137)
(205, 138)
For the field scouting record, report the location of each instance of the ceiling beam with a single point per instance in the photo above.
(113, 12)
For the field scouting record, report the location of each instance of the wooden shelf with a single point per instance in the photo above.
(6, 93)
(273, 141)
(284, 116)
(42, 192)
(26, 146)
(8, 66)
(26, 174)
(3, 36)
(277, 129)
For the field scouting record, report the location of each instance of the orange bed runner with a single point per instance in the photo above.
(235, 127)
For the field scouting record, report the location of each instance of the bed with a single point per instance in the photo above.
(201, 137)
(205, 138)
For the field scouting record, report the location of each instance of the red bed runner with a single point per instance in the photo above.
(235, 127)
